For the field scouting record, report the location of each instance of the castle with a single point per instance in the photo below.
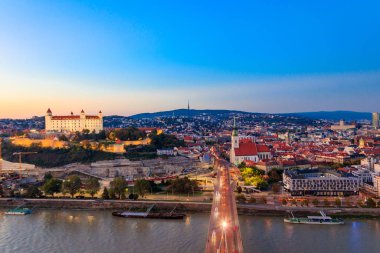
(73, 123)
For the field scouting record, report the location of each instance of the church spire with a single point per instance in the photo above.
(188, 104)
(234, 130)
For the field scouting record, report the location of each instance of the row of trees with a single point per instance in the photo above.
(118, 188)
(126, 134)
(254, 177)
(49, 157)
(72, 185)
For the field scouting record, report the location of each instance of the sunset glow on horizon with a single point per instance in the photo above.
(126, 58)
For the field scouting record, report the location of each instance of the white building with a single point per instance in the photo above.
(73, 123)
(315, 182)
(342, 126)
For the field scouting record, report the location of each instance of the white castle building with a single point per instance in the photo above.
(73, 123)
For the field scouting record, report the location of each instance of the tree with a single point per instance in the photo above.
(293, 202)
(305, 202)
(276, 188)
(63, 138)
(52, 186)
(274, 176)
(264, 200)
(92, 186)
(117, 187)
(315, 202)
(1, 191)
(239, 189)
(47, 177)
(33, 192)
(326, 202)
(72, 185)
(184, 185)
(142, 187)
(284, 202)
(338, 202)
(105, 194)
(133, 196)
(261, 184)
(370, 203)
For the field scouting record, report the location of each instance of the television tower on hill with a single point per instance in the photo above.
(188, 104)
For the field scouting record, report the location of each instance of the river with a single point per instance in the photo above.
(97, 231)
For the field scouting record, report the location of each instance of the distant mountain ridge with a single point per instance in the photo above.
(185, 113)
(326, 115)
(333, 115)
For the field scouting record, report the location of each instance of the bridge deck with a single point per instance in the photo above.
(224, 231)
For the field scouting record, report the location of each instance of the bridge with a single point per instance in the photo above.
(224, 230)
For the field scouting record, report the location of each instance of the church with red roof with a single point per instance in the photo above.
(246, 149)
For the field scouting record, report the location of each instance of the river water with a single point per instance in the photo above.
(97, 231)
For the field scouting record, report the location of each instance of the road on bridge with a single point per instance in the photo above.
(224, 231)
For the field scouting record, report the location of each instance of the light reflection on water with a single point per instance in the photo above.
(98, 231)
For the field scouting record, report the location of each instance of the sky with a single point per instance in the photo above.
(127, 57)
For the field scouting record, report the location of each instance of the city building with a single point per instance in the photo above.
(246, 149)
(320, 183)
(375, 120)
(73, 123)
(168, 152)
(342, 126)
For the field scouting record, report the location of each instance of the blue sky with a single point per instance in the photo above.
(126, 57)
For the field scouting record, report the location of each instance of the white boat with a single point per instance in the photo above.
(315, 220)
(18, 211)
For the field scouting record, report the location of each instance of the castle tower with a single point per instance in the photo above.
(48, 117)
(83, 120)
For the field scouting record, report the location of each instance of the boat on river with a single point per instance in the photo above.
(315, 220)
(19, 211)
(149, 214)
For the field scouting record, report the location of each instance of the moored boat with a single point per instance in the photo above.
(315, 220)
(18, 211)
(149, 215)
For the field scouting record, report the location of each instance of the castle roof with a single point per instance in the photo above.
(73, 117)
(48, 111)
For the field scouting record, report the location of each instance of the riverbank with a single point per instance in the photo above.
(203, 207)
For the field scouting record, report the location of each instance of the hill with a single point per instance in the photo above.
(185, 113)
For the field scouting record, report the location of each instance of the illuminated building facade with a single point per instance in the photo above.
(73, 123)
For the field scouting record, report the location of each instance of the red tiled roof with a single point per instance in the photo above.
(249, 148)
(246, 149)
(92, 117)
(72, 117)
(262, 148)
(69, 117)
